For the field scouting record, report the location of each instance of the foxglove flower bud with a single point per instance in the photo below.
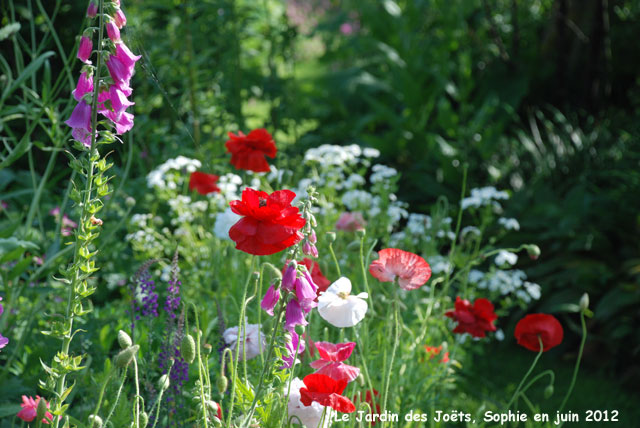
(113, 32)
(92, 10)
(120, 19)
(312, 237)
(84, 51)
(270, 299)
(306, 248)
(289, 276)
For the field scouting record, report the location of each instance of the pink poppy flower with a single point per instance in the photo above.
(411, 270)
(350, 222)
(331, 361)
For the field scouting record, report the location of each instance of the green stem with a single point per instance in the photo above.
(577, 367)
(396, 340)
(136, 408)
(335, 259)
(115, 403)
(277, 322)
(104, 386)
(364, 366)
(200, 368)
(535, 361)
(364, 273)
(157, 405)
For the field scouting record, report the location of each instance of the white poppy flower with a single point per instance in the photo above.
(309, 416)
(256, 342)
(339, 308)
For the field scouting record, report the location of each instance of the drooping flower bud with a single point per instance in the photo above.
(548, 391)
(84, 51)
(270, 299)
(289, 277)
(361, 232)
(119, 18)
(144, 419)
(113, 32)
(299, 330)
(124, 340)
(312, 237)
(222, 382)
(533, 250)
(95, 421)
(188, 348)
(584, 302)
(331, 237)
(124, 358)
(164, 382)
(92, 10)
(306, 248)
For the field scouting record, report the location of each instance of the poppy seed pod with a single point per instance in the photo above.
(188, 348)
(124, 358)
(124, 340)
(331, 237)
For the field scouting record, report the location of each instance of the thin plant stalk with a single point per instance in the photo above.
(535, 361)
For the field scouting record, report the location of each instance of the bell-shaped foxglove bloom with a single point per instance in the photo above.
(294, 315)
(289, 277)
(119, 101)
(119, 18)
(92, 10)
(84, 86)
(80, 121)
(84, 51)
(113, 32)
(294, 345)
(270, 299)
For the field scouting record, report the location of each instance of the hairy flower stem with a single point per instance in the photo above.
(242, 327)
(102, 388)
(201, 368)
(136, 407)
(157, 406)
(115, 403)
(577, 367)
(274, 333)
(396, 340)
(360, 349)
(519, 388)
(84, 219)
(364, 272)
(285, 414)
(335, 259)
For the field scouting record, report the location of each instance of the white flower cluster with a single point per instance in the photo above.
(184, 210)
(382, 173)
(329, 154)
(505, 282)
(506, 258)
(171, 174)
(484, 196)
(145, 238)
(509, 223)
(230, 186)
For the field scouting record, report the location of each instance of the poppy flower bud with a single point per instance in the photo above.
(92, 10)
(207, 348)
(95, 421)
(216, 422)
(144, 419)
(212, 406)
(360, 380)
(533, 250)
(289, 277)
(164, 382)
(124, 340)
(222, 382)
(124, 358)
(331, 237)
(361, 232)
(299, 330)
(275, 272)
(584, 302)
(130, 202)
(41, 410)
(548, 391)
(188, 348)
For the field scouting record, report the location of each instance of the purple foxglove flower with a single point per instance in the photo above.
(292, 345)
(113, 32)
(120, 73)
(119, 102)
(314, 251)
(83, 136)
(304, 290)
(125, 55)
(306, 248)
(308, 304)
(124, 124)
(294, 315)
(84, 51)
(312, 237)
(289, 277)
(92, 10)
(307, 276)
(81, 116)
(120, 19)
(3, 341)
(84, 86)
(270, 299)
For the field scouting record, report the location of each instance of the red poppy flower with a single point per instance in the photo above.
(374, 410)
(316, 274)
(249, 151)
(331, 361)
(270, 224)
(326, 391)
(203, 183)
(544, 326)
(411, 269)
(476, 319)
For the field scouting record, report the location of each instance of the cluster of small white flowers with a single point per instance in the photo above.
(353, 181)
(506, 282)
(396, 212)
(224, 221)
(139, 221)
(382, 173)
(484, 196)
(469, 230)
(329, 154)
(439, 264)
(506, 258)
(229, 185)
(357, 200)
(509, 223)
(161, 177)
(184, 211)
(144, 238)
(418, 224)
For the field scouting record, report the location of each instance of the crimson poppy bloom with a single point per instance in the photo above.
(331, 361)
(327, 392)
(411, 269)
(369, 400)
(203, 183)
(476, 319)
(249, 151)
(269, 223)
(543, 326)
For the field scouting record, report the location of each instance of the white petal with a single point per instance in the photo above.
(342, 312)
(342, 285)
